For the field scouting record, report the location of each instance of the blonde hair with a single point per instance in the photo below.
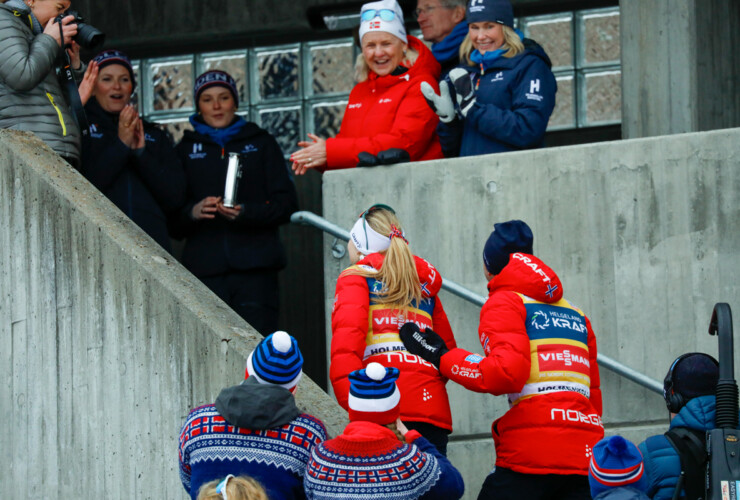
(398, 274)
(512, 41)
(362, 70)
(237, 488)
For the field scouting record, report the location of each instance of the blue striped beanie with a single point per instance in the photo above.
(616, 462)
(277, 361)
(373, 395)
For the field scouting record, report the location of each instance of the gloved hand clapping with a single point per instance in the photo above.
(427, 344)
(441, 104)
(464, 93)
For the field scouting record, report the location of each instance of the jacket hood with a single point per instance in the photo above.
(429, 277)
(251, 405)
(425, 64)
(528, 275)
(249, 130)
(365, 439)
(698, 414)
(531, 49)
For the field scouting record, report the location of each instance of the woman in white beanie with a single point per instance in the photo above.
(386, 109)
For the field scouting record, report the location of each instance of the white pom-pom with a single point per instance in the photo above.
(375, 371)
(281, 341)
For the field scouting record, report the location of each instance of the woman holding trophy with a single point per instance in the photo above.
(232, 243)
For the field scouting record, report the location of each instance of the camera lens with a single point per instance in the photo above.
(88, 36)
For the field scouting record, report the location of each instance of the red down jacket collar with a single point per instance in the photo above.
(528, 275)
(424, 64)
(429, 277)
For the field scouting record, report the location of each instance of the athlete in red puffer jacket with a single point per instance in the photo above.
(389, 111)
(365, 330)
(540, 350)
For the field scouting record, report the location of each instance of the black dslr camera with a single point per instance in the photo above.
(88, 37)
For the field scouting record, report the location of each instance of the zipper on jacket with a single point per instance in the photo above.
(223, 151)
(482, 72)
(59, 112)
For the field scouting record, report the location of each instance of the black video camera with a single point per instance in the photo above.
(88, 37)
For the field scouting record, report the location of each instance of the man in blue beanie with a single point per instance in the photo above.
(540, 351)
(688, 390)
(254, 428)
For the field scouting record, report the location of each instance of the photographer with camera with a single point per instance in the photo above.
(31, 96)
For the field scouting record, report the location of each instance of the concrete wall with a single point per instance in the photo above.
(106, 342)
(679, 66)
(645, 235)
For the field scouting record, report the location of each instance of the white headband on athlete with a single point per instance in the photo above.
(368, 240)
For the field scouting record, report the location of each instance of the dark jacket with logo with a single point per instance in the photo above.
(146, 186)
(514, 100)
(266, 192)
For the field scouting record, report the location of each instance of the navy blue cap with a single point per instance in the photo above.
(497, 11)
(507, 238)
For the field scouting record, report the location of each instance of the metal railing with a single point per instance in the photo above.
(311, 219)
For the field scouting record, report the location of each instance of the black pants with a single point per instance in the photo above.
(252, 294)
(435, 435)
(505, 484)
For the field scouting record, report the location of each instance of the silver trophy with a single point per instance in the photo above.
(233, 174)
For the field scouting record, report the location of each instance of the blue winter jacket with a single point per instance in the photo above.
(514, 100)
(622, 493)
(662, 463)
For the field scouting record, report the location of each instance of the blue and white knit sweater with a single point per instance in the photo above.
(369, 462)
(254, 430)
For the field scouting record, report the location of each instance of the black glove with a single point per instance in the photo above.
(427, 344)
(464, 94)
(394, 155)
(367, 160)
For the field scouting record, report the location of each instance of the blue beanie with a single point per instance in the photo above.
(507, 238)
(497, 11)
(373, 394)
(616, 462)
(215, 78)
(695, 375)
(276, 360)
(112, 56)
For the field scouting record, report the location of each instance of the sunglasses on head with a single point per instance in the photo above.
(383, 14)
(221, 488)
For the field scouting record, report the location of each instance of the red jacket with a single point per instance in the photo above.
(363, 332)
(541, 351)
(389, 111)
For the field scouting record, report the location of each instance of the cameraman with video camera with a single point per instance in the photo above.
(31, 96)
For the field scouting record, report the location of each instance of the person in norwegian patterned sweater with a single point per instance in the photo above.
(254, 428)
(540, 351)
(377, 456)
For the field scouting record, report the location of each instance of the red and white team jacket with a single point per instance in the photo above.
(540, 350)
(364, 331)
(389, 111)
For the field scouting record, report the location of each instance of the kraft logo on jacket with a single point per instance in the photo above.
(558, 339)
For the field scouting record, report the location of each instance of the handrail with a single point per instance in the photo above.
(311, 219)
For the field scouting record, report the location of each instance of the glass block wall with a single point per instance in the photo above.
(584, 49)
(292, 90)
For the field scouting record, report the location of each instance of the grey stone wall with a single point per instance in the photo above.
(644, 234)
(679, 66)
(106, 342)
